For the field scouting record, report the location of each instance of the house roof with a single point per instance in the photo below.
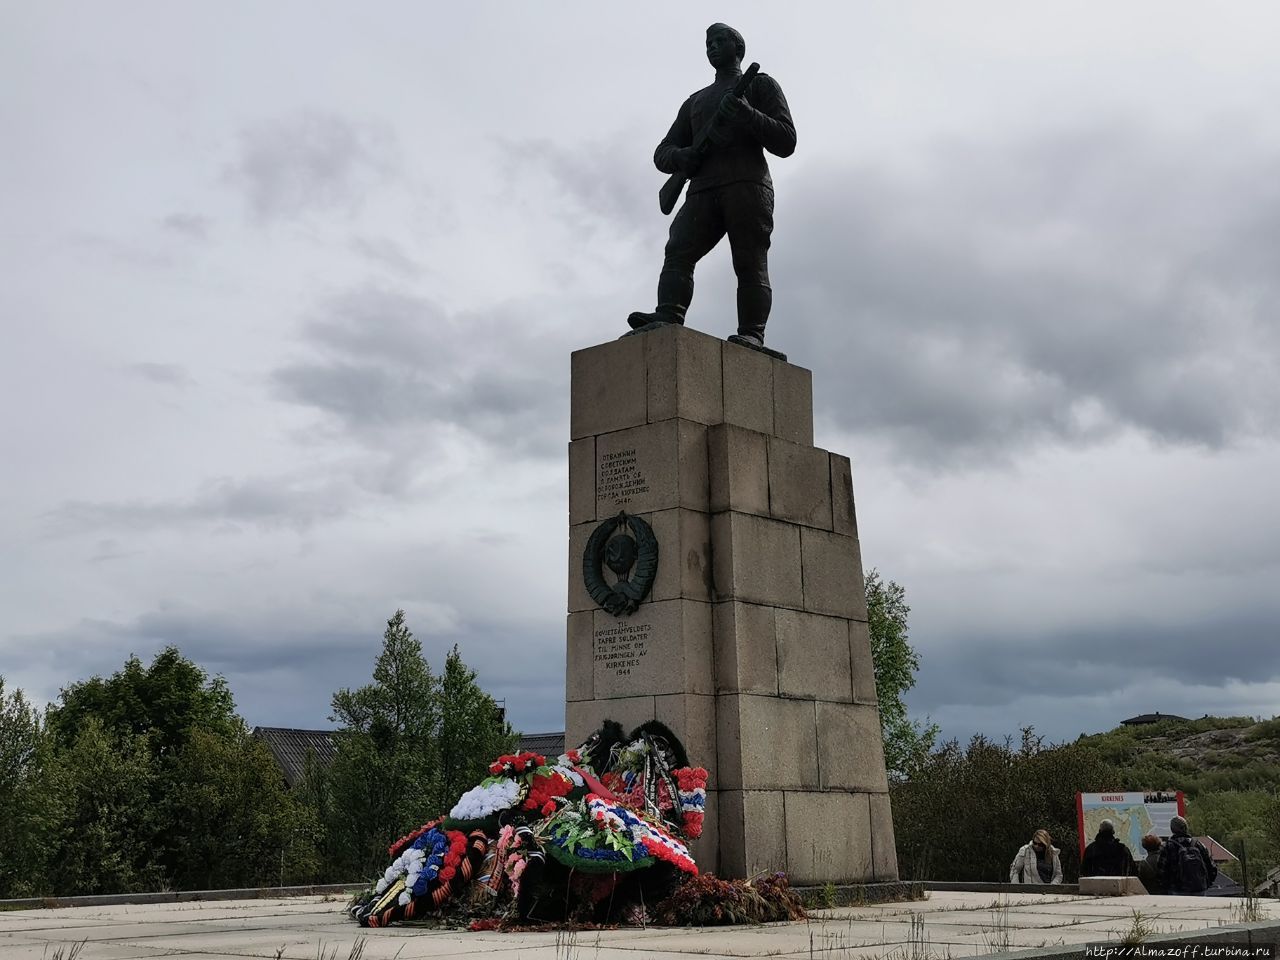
(290, 748)
(547, 744)
(1152, 718)
(1217, 851)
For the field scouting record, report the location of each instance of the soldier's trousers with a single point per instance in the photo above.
(744, 212)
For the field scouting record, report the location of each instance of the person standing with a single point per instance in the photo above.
(1106, 856)
(1147, 871)
(1184, 865)
(1037, 861)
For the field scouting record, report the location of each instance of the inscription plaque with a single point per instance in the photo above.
(621, 648)
(619, 478)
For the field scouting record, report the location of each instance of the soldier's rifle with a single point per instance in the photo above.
(670, 192)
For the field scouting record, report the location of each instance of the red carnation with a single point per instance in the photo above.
(548, 808)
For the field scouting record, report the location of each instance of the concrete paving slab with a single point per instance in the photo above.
(90, 951)
(949, 923)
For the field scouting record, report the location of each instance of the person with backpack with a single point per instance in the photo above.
(1184, 864)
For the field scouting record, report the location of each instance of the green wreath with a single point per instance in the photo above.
(639, 557)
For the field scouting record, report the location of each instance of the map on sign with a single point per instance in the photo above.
(1134, 814)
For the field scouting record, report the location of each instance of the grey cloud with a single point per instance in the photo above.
(109, 549)
(1100, 661)
(607, 184)
(189, 225)
(389, 255)
(310, 161)
(1059, 289)
(166, 374)
(290, 680)
(259, 502)
(385, 362)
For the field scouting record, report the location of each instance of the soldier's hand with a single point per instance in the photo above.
(687, 160)
(733, 109)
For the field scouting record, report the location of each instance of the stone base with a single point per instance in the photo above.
(752, 645)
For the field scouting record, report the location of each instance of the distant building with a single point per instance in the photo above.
(290, 748)
(1217, 852)
(546, 744)
(1151, 718)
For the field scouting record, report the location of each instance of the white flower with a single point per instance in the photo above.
(403, 899)
(381, 886)
(484, 800)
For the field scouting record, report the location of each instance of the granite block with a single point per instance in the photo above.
(861, 662)
(850, 748)
(662, 648)
(752, 834)
(799, 484)
(756, 560)
(637, 470)
(579, 599)
(582, 480)
(694, 483)
(832, 574)
(813, 656)
(844, 516)
(828, 837)
(793, 403)
(607, 390)
(766, 743)
(580, 658)
(683, 375)
(738, 469)
(884, 853)
(745, 648)
(748, 388)
(684, 555)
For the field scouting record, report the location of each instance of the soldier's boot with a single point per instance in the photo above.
(754, 303)
(665, 313)
(675, 290)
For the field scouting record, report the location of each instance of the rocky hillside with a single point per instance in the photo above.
(1213, 753)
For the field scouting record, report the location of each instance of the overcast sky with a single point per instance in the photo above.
(290, 291)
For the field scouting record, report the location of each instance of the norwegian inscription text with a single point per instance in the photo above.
(622, 647)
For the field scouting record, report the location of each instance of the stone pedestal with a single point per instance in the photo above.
(753, 645)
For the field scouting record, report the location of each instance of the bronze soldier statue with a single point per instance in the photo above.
(718, 142)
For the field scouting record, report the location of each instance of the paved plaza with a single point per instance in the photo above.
(947, 924)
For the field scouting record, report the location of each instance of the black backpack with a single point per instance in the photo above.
(1189, 872)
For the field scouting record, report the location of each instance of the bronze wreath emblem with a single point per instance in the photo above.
(632, 555)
